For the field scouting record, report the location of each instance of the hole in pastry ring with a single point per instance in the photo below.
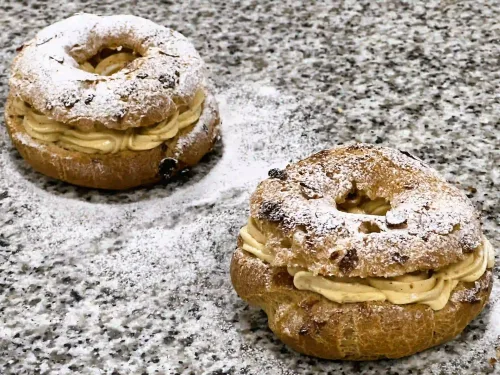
(427, 223)
(47, 75)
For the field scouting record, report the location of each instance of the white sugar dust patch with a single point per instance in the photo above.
(145, 273)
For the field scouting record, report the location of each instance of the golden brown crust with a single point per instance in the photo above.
(430, 225)
(122, 170)
(313, 325)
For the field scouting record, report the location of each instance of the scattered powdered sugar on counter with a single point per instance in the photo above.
(88, 266)
(248, 117)
(138, 282)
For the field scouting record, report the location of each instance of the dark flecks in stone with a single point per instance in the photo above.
(400, 259)
(415, 53)
(170, 338)
(187, 341)
(436, 67)
(75, 295)
(349, 261)
(280, 174)
(167, 168)
(20, 48)
(3, 243)
(142, 75)
(4, 195)
(89, 98)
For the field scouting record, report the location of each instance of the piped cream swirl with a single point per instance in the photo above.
(360, 204)
(433, 290)
(109, 65)
(107, 141)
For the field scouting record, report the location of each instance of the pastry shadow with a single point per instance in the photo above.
(162, 189)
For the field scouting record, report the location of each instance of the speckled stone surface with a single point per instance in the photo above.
(137, 282)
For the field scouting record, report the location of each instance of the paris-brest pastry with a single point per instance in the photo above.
(362, 253)
(110, 102)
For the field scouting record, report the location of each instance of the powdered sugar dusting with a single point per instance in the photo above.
(120, 263)
(46, 72)
(209, 113)
(25, 139)
(418, 77)
(164, 245)
(430, 225)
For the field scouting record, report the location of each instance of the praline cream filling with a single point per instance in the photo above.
(108, 141)
(110, 65)
(432, 289)
(360, 204)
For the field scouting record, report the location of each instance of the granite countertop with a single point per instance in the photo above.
(137, 282)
